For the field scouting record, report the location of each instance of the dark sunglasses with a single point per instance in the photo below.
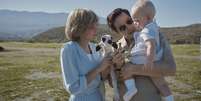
(123, 27)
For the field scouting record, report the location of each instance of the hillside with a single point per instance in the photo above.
(187, 34)
(57, 34)
(177, 35)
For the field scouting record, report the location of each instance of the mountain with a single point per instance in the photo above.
(8, 36)
(176, 35)
(26, 24)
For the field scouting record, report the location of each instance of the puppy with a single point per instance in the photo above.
(107, 47)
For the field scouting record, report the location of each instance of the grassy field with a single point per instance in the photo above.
(31, 72)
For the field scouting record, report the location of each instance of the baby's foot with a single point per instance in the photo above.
(129, 94)
(169, 98)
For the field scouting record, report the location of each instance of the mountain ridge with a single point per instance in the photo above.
(26, 24)
(179, 35)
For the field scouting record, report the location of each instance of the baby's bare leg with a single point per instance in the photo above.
(162, 86)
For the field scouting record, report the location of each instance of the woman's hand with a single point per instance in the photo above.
(106, 63)
(105, 74)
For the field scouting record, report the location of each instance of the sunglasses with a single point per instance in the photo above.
(123, 27)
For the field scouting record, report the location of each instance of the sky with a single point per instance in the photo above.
(169, 12)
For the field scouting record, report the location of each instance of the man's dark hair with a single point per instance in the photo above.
(113, 15)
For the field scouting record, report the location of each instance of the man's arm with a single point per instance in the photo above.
(165, 67)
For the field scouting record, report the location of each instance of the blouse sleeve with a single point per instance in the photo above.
(147, 34)
(74, 83)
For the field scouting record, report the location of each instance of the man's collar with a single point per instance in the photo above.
(122, 41)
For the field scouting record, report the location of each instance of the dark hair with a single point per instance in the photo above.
(113, 15)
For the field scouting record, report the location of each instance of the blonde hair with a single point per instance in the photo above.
(143, 8)
(78, 21)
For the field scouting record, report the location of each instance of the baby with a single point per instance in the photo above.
(147, 47)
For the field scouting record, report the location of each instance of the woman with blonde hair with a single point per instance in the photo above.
(82, 66)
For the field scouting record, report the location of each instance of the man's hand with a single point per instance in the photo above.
(118, 58)
(148, 66)
(126, 73)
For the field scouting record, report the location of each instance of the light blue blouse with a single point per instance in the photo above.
(75, 64)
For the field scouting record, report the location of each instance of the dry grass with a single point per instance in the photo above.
(31, 72)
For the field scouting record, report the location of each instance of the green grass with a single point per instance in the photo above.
(31, 45)
(188, 50)
(22, 59)
(189, 73)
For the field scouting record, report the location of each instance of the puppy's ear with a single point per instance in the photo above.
(114, 44)
(98, 47)
(103, 39)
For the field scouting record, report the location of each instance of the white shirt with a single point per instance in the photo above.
(138, 52)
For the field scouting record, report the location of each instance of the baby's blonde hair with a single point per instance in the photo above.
(143, 8)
